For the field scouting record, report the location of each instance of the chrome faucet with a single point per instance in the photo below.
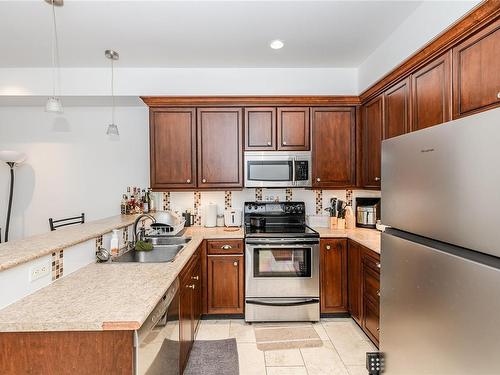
(142, 230)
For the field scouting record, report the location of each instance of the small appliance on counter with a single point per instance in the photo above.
(232, 218)
(367, 212)
(211, 215)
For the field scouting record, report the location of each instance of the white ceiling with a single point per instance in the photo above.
(198, 33)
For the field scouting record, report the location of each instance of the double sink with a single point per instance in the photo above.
(165, 249)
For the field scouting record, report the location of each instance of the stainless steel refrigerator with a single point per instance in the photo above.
(440, 260)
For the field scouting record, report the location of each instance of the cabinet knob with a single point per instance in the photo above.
(226, 247)
(203, 180)
(378, 293)
(378, 265)
(328, 247)
(269, 143)
(377, 178)
(195, 277)
(378, 329)
(498, 95)
(318, 179)
(235, 264)
(191, 286)
(284, 143)
(188, 181)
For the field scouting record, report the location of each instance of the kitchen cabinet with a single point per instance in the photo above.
(225, 284)
(190, 305)
(219, 139)
(476, 72)
(373, 122)
(397, 109)
(370, 266)
(354, 280)
(333, 147)
(431, 93)
(260, 129)
(172, 134)
(293, 129)
(333, 275)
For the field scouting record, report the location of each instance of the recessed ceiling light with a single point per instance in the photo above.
(276, 44)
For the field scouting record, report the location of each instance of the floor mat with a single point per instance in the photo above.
(213, 357)
(293, 337)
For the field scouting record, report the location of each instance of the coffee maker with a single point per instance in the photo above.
(367, 212)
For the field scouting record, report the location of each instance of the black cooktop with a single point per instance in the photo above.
(285, 230)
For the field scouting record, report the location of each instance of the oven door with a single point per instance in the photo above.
(282, 268)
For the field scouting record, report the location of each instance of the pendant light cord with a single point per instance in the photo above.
(112, 93)
(55, 51)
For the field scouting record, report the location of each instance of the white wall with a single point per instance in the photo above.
(72, 166)
(424, 24)
(200, 81)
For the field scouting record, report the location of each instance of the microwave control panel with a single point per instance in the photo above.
(301, 170)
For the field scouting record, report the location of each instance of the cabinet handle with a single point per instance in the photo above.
(378, 265)
(269, 143)
(188, 181)
(203, 180)
(195, 277)
(318, 179)
(226, 247)
(498, 95)
(191, 286)
(328, 247)
(284, 143)
(378, 293)
(235, 264)
(377, 178)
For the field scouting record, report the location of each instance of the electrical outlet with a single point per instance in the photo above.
(40, 270)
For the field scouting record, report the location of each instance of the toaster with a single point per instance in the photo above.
(232, 218)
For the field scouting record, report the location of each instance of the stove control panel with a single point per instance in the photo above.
(283, 208)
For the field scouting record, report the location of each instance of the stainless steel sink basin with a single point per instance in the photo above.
(161, 241)
(164, 250)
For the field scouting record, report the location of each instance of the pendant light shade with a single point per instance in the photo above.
(54, 103)
(112, 128)
(15, 157)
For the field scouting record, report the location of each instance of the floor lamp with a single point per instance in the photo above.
(12, 158)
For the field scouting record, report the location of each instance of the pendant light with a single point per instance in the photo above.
(54, 103)
(112, 128)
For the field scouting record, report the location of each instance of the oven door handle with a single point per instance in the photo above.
(291, 244)
(298, 303)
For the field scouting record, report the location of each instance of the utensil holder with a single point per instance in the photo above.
(333, 222)
(341, 224)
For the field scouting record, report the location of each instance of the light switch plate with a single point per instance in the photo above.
(39, 270)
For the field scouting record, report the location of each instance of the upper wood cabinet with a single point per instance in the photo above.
(293, 129)
(333, 147)
(333, 275)
(373, 122)
(397, 109)
(220, 135)
(172, 134)
(260, 129)
(476, 72)
(431, 93)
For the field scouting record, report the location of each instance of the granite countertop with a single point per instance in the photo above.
(116, 296)
(16, 252)
(369, 238)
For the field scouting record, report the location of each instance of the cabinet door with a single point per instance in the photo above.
(196, 276)
(373, 119)
(333, 275)
(172, 148)
(431, 86)
(225, 284)
(371, 320)
(354, 280)
(260, 129)
(293, 129)
(397, 109)
(333, 147)
(185, 323)
(476, 72)
(220, 147)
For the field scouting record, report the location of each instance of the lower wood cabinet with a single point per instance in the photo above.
(333, 275)
(225, 284)
(364, 288)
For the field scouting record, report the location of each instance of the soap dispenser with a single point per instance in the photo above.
(114, 247)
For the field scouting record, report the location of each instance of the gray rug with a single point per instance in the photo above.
(213, 357)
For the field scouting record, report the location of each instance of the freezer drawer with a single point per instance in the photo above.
(442, 182)
(282, 310)
(439, 312)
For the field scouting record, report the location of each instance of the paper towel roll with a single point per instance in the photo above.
(211, 215)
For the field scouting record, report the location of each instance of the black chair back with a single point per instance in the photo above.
(54, 224)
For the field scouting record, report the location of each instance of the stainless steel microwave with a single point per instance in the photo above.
(277, 169)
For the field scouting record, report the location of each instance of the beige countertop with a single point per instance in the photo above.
(16, 252)
(103, 296)
(369, 238)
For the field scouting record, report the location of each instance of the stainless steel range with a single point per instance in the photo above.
(282, 263)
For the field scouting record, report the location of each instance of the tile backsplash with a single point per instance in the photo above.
(315, 200)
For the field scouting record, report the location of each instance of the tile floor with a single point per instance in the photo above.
(342, 353)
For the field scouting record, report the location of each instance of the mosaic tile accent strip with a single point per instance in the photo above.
(289, 195)
(197, 208)
(166, 201)
(348, 196)
(228, 200)
(258, 194)
(57, 264)
(319, 201)
(125, 237)
(98, 243)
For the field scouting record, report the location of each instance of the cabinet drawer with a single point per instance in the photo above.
(371, 285)
(371, 262)
(371, 320)
(224, 247)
